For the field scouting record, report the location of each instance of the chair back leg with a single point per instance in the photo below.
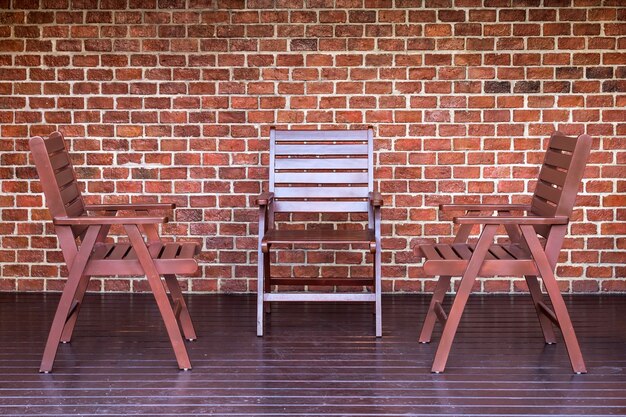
(563, 320)
(537, 296)
(160, 295)
(68, 329)
(183, 316)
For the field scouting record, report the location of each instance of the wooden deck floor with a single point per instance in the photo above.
(316, 359)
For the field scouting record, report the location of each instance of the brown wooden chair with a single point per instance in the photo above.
(318, 171)
(82, 240)
(547, 215)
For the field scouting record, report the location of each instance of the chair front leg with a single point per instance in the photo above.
(465, 288)
(552, 287)
(160, 295)
(74, 280)
(378, 286)
(262, 266)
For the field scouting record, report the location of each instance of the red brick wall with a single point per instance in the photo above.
(174, 98)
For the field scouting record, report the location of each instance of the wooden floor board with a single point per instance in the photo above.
(314, 360)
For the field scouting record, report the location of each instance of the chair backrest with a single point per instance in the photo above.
(321, 170)
(560, 177)
(57, 177)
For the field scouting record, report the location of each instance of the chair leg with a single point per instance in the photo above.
(68, 329)
(560, 310)
(160, 295)
(443, 285)
(537, 297)
(67, 298)
(267, 283)
(378, 287)
(467, 282)
(260, 291)
(184, 317)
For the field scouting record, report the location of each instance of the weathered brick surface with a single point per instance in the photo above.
(174, 99)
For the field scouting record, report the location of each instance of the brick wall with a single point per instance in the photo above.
(174, 98)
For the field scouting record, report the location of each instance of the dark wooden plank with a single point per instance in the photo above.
(315, 359)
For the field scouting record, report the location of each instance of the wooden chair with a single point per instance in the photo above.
(82, 240)
(319, 172)
(547, 215)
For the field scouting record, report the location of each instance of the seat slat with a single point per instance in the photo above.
(517, 252)
(188, 250)
(322, 149)
(552, 176)
(430, 252)
(462, 250)
(499, 253)
(558, 159)
(321, 206)
(564, 143)
(548, 193)
(447, 252)
(321, 177)
(321, 192)
(101, 251)
(119, 251)
(320, 163)
(170, 251)
(336, 135)
(319, 236)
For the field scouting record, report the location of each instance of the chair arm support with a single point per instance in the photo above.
(376, 199)
(484, 207)
(264, 199)
(108, 220)
(515, 220)
(116, 207)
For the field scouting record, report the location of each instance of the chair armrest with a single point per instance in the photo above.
(376, 199)
(264, 199)
(484, 207)
(505, 220)
(154, 206)
(107, 220)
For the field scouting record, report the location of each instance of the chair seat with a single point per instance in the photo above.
(452, 259)
(169, 258)
(319, 236)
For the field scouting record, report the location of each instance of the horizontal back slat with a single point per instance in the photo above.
(321, 192)
(64, 176)
(321, 149)
(59, 161)
(320, 177)
(76, 208)
(561, 142)
(321, 206)
(70, 193)
(557, 159)
(542, 208)
(54, 143)
(322, 135)
(552, 176)
(548, 193)
(321, 163)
